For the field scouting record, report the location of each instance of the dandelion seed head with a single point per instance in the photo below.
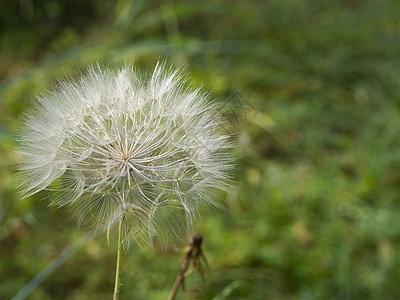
(117, 147)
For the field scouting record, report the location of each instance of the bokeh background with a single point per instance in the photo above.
(314, 91)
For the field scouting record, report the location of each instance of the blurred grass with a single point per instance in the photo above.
(315, 215)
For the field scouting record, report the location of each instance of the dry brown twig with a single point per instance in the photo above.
(195, 258)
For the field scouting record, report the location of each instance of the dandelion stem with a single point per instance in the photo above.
(117, 271)
(175, 288)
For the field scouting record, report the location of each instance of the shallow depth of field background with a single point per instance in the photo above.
(316, 212)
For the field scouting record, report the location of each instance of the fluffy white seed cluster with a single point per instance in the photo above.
(117, 147)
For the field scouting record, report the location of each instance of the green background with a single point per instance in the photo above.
(315, 214)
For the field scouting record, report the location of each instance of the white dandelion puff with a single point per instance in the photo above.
(116, 147)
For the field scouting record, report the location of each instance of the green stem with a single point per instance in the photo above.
(117, 271)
